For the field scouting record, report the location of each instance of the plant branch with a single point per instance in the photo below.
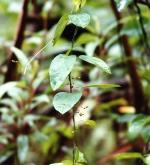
(139, 100)
(11, 70)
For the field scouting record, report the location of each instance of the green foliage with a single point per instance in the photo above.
(60, 68)
(81, 20)
(121, 4)
(60, 28)
(23, 147)
(128, 156)
(63, 101)
(96, 61)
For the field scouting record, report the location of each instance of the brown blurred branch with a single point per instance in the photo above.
(139, 100)
(11, 70)
(122, 149)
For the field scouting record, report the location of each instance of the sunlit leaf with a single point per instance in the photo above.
(103, 86)
(129, 155)
(81, 20)
(23, 148)
(96, 61)
(60, 68)
(57, 164)
(63, 101)
(6, 87)
(20, 56)
(60, 28)
(79, 156)
(147, 159)
(121, 4)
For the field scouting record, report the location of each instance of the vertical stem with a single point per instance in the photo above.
(11, 71)
(139, 100)
(74, 123)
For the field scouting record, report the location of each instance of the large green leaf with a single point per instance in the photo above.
(96, 61)
(81, 20)
(23, 147)
(60, 28)
(60, 68)
(128, 155)
(64, 101)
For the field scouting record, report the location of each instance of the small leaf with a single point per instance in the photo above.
(128, 155)
(6, 87)
(64, 101)
(57, 164)
(79, 156)
(103, 86)
(81, 20)
(60, 68)
(137, 124)
(121, 4)
(23, 147)
(79, 3)
(20, 56)
(96, 61)
(90, 123)
(60, 28)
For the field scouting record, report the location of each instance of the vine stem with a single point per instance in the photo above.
(74, 123)
(71, 86)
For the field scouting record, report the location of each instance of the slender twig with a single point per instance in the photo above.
(145, 37)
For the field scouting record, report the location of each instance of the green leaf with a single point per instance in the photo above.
(103, 86)
(121, 4)
(4, 156)
(79, 156)
(79, 3)
(81, 20)
(86, 38)
(130, 155)
(137, 124)
(6, 87)
(57, 164)
(22, 143)
(62, 23)
(64, 101)
(60, 68)
(147, 159)
(20, 56)
(96, 61)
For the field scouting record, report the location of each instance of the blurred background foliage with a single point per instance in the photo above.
(31, 131)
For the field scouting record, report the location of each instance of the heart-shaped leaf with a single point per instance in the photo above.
(60, 68)
(64, 101)
(96, 61)
(81, 20)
